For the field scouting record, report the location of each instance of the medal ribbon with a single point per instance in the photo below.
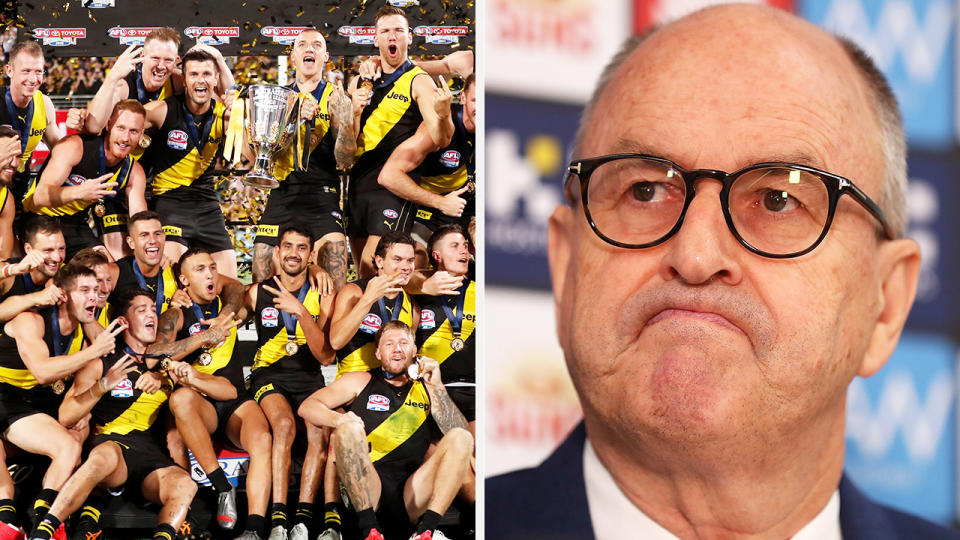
(456, 320)
(57, 338)
(214, 311)
(142, 281)
(390, 79)
(23, 130)
(28, 283)
(192, 127)
(290, 321)
(124, 167)
(395, 313)
(142, 95)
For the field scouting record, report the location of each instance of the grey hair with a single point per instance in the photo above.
(893, 199)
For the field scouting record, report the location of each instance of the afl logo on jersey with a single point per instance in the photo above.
(74, 180)
(122, 390)
(177, 139)
(390, 213)
(371, 323)
(195, 329)
(450, 158)
(428, 320)
(376, 402)
(268, 317)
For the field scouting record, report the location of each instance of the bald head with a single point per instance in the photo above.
(768, 85)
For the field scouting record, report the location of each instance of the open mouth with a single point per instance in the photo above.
(200, 91)
(393, 49)
(91, 311)
(158, 73)
(51, 266)
(152, 252)
(210, 288)
(309, 60)
(150, 324)
(122, 148)
(292, 261)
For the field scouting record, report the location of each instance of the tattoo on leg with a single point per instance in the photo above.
(333, 259)
(262, 262)
(350, 468)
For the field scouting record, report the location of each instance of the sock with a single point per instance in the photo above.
(331, 516)
(8, 513)
(255, 523)
(367, 520)
(219, 480)
(91, 508)
(42, 503)
(164, 531)
(278, 515)
(428, 522)
(304, 514)
(46, 528)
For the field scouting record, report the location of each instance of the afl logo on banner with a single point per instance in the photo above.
(212, 35)
(177, 139)
(130, 35)
(59, 37)
(285, 35)
(358, 35)
(268, 317)
(427, 320)
(441, 35)
(376, 402)
(371, 323)
(450, 158)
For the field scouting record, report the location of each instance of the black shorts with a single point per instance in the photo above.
(295, 386)
(16, 403)
(465, 398)
(315, 206)
(77, 234)
(426, 220)
(392, 510)
(115, 218)
(225, 409)
(375, 213)
(142, 453)
(194, 224)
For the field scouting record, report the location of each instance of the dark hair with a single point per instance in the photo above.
(387, 11)
(391, 325)
(67, 275)
(198, 55)
(471, 78)
(124, 299)
(444, 230)
(145, 215)
(37, 224)
(196, 250)
(7, 131)
(389, 239)
(90, 258)
(297, 228)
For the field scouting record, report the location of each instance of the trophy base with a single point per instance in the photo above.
(260, 181)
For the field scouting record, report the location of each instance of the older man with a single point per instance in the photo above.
(711, 334)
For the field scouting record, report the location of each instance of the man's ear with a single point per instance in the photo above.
(899, 269)
(559, 232)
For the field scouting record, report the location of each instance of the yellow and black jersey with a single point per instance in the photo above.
(4, 191)
(14, 373)
(397, 422)
(318, 152)
(136, 90)
(273, 333)
(440, 316)
(220, 364)
(126, 408)
(162, 285)
(29, 122)
(359, 353)
(182, 152)
(449, 168)
(391, 118)
(93, 163)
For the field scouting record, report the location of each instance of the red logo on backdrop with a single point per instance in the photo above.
(212, 35)
(59, 37)
(130, 35)
(285, 35)
(649, 12)
(441, 30)
(358, 35)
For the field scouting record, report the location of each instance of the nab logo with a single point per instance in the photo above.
(398, 96)
(177, 139)
(450, 158)
(268, 317)
(376, 402)
(371, 323)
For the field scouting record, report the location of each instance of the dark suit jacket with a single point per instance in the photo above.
(550, 502)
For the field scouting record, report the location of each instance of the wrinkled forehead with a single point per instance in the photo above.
(310, 36)
(392, 22)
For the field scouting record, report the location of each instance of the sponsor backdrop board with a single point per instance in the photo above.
(104, 27)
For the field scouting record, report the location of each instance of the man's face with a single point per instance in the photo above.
(159, 61)
(199, 78)
(399, 258)
(469, 100)
(26, 74)
(453, 253)
(8, 169)
(54, 250)
(199, 275)
(309, 54)
(142, 320)
(125, 130)
(393, 37)
(294, 252)
(104, 284)
(82, 298)
(396, 351)
(698, 339)
(146, 238)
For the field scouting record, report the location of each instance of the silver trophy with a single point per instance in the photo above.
(271, 120)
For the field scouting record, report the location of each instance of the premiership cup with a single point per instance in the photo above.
(271, 118)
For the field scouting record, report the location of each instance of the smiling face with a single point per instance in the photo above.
(309, 54)
(198, 274)
(159, 61)
(396, 350)
(393, 37)
(469, 100)
(105, 283)
(697, 339)
(54, 251)
(146, 238)
(199, 78)
(125, 129)
(141, 319)
(82, 298)
(399, 258)
(452, 253)
(8, 169)
(294, 253)
(26, 75)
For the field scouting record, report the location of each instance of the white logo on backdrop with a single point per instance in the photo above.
(923, 207)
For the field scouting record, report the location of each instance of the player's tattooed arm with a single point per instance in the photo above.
(333, 259)
(262, 262)
(444, 411)
(170, 323)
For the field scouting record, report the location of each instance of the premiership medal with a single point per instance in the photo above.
(456, 344)
(290, 322)
(59, 387)
(471, 187)
(100, 209)
(205, 358)
(144, 141)
(165, 364)
(413, 371)
(291, 348)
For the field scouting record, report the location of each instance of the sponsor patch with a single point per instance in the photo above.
(170, 230)
(423, 214)
(441, 35)
(428, 320)
(128, 35)
(268, 230)
(74, 180)
(450, 158)
(336, 214)
(390, 213)
(177, 139)
(59, 37)
(113, 220)
(269, 316)
(358, 35)
(285, 35)
(195, 329)
(212, 35)
(263, 390)
(376, 402)
(371, 323)
(122, 390)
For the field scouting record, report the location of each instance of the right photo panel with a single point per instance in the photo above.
(717, 244)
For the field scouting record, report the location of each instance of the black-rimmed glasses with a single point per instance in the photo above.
(777, 210)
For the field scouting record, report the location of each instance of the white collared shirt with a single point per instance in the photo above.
(614, 516)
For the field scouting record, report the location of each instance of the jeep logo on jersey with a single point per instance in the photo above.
(268, 317)
(390, 214)
(122, 390)
(195, 329)
(371, 323)
(398, 96)
(427, 320)
(74, 180)
(376, 402)
(177, 139)
(450, 158)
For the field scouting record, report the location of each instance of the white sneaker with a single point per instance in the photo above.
(278, 533)
(299, 532)
(329, 534)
